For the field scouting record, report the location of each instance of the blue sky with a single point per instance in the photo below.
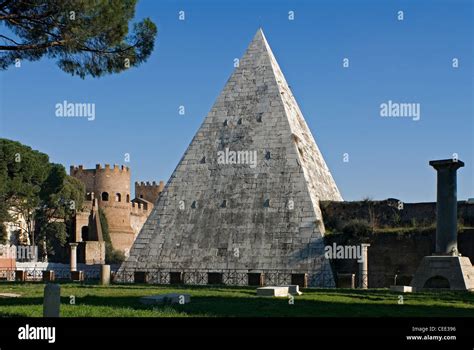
(403, 61)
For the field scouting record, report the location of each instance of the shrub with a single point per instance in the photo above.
(357, 228)
(115, 257)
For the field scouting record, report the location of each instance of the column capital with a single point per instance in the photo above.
(446, 163)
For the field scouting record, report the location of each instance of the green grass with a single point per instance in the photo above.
(123, 301)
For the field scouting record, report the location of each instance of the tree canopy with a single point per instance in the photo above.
(39, 191)
(86, 37)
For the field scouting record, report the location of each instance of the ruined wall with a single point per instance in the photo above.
(389, 213)
(401, 237)
(393, 254)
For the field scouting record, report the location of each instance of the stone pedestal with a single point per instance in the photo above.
(444, 272)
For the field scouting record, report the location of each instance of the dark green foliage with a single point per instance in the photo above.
(112, 256)
(116, 257)
(40, 192)
(357, 228)
(85, 37)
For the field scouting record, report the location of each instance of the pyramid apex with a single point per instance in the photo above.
(259, 34)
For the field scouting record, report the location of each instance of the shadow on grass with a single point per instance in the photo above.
(218, 306)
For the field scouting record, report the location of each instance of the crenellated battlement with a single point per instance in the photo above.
(140, 208)
(149, 191)
(98, 168)
(147, 184)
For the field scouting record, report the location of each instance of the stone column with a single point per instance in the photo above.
(446, 205)
(73, 260)
(363, 267)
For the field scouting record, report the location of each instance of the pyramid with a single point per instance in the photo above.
(244, 197)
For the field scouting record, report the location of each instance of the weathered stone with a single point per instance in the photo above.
(294, 289)
(105, 275)
(52, 300)
(447, 269)
(401, 289)
(273, 291)
(170, 298)
(363, 267)
(246, 192)
(73, 256)
(455, 271)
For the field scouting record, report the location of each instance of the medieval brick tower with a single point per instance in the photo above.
(108, 188)
(242, 206)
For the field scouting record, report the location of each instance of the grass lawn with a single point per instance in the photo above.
(123, 301)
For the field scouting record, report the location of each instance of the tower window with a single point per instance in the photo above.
(105, 196)
(128, 198)
(118, 197)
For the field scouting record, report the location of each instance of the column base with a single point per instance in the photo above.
(444, 272)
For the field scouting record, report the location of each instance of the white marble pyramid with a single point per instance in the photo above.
(245, 196)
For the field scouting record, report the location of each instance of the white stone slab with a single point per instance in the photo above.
(401, 289)
(169, 298)
(9, 295)
(294, 289)
(272, 291)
